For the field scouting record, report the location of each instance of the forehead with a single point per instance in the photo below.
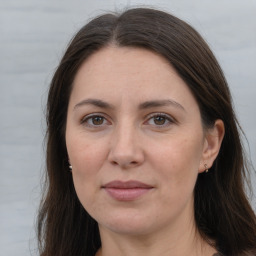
(133, 65)
(125, 60)
(126, 73)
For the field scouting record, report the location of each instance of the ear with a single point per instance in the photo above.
(212, 144)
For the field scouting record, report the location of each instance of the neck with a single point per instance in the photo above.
(182, 240)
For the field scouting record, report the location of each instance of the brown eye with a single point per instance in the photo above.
(94, 121)
(159, 120)
(97, 120)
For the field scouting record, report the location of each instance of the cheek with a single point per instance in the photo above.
(180, 155)
(87, 162)
(86, 155)
(178, 164)
(86, 158)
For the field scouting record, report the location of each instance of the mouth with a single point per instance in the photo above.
(126, 191)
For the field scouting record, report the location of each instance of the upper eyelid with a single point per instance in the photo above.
(160, 114)
(88, 116)
(94, 114)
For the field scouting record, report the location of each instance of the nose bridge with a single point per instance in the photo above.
(124, 137)
(125, 148)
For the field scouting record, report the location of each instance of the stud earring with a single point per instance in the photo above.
(69, 166)
(206, 168)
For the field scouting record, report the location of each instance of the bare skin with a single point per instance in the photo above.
(131, 118)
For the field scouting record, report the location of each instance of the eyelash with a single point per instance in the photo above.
(166, 117)
(85, 120)
(170, 120)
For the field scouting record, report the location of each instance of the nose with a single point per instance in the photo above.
(125, 149)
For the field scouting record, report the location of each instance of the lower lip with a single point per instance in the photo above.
(126, 194)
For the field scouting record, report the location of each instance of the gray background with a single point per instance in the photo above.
(33, 36)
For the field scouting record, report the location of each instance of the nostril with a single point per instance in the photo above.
(124, 164)
(114, 162)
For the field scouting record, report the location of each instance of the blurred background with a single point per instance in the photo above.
(33, 37)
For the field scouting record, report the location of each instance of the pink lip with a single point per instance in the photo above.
(126, 191)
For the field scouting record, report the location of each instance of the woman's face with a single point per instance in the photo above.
(135, 140)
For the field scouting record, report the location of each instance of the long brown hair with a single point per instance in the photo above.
(222, 211)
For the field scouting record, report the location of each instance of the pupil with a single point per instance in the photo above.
(97, 120)
(159, 120)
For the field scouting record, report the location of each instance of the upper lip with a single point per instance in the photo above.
(126, 184)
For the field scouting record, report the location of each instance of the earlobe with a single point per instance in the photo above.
(212, 144)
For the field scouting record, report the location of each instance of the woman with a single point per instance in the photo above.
(143, 150)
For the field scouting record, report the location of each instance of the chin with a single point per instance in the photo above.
(128, 224)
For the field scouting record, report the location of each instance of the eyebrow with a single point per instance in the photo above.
(95, 102)
(145, 105)
(160, 103)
